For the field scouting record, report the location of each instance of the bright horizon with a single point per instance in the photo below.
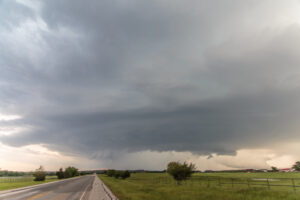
(135, 84)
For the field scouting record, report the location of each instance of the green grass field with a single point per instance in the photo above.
(206, 186)
(17, 182)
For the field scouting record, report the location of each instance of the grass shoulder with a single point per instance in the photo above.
(148, 186)
(11, 183)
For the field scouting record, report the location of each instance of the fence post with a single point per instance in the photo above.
(208, 182)
(268, 184)
(248, 183)
(232, 182)
(294, 186)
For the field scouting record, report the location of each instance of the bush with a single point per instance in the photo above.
(180, 171)
(118, 174)
(125, 174)
(71, 172)
(60, 174)
(39, 174)
(110, 172)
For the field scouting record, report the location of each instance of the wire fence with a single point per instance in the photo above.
(284, 184)
(13, 179)
(267, 183)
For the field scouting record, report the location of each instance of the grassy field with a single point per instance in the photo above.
(7, 183)
(160, 186)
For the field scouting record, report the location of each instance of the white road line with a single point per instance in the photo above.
(84, 193)
(22, 189)
(17, 192)
(22, 196)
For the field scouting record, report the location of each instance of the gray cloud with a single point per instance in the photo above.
(200, 76)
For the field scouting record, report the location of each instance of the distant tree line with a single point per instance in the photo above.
(67, 173)
(40, 173)
(12, 173)
(179, 171)
(86, 172)
(118, 173)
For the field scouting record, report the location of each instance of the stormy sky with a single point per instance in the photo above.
(136, 84)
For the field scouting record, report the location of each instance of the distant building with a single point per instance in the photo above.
(263, 170)
(286, 170)
(249, 170)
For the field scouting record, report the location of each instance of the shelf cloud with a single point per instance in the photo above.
(100, 78)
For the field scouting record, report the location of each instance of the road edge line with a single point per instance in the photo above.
(84, 192)
(37, 185)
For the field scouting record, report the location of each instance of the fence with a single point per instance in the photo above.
(15, 179)
(267, 183)
(286, 184)
(10, 179)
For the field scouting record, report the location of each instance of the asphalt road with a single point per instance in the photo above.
(69, 189)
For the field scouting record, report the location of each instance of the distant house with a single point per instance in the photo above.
(286, 170)
(262, 170)
(249, 170)
(255, 170)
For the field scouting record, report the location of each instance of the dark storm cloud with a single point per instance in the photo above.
(199, 76)
(220, 126)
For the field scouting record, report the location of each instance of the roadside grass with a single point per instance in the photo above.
(160, 186)
(7, 183)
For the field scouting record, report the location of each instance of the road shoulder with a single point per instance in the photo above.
(101, 191)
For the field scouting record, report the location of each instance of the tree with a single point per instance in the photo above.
(39, 174)
(180, 171)
(125, 174)
(110, 172)
(71, 172)
(117, 174)
(296, 166)
(60, 174)
(274, 169)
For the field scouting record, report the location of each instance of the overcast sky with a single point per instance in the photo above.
(134, 84)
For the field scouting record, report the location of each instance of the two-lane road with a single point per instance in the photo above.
(69, 189)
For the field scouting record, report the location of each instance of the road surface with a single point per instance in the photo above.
(69, 189)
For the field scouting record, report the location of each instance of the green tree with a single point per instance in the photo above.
(39, 174)
(125, 174)
(60, 174)
(296, 166)
(71, 172)
(117, 174)
(180, 171)
(274, 169)
(110, 172)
